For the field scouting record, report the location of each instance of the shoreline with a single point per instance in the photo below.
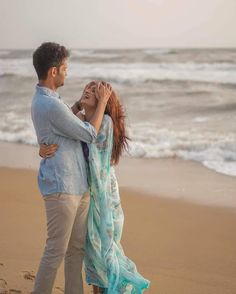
(171, 178)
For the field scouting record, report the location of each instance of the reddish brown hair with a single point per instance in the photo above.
(120, 140)
(116, 111)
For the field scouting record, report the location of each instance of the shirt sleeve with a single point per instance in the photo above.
(65, 123)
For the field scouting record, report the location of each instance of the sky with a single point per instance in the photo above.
(118, 23)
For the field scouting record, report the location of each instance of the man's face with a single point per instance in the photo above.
(61, 74)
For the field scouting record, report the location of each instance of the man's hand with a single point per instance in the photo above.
(47, 151)
(103, 92)
(76, 107)
(80, 115)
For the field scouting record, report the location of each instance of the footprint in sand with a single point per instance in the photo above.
(1, 264)
(59, 289)
(3, 287)
(28, 275)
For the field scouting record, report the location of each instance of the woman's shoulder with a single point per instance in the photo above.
(105, 131)
(106, 127)
(107, 120)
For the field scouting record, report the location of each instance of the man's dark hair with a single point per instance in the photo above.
(48, 55)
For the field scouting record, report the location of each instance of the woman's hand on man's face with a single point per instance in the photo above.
(47, 151)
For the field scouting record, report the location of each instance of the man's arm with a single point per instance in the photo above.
(65, 123)
(103, 92)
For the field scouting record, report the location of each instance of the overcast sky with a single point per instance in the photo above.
(118, 23)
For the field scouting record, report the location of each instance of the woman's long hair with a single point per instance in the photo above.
(120, 140)
(116, 111)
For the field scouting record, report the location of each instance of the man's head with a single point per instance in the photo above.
(50, 63)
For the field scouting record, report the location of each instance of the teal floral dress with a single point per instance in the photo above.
(105, 262)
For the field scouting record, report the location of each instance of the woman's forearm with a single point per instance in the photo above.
(96, 119)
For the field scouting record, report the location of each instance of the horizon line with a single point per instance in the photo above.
(130, 48)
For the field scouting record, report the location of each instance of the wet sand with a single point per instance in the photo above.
(180, 246)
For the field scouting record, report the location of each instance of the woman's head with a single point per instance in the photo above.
(88, 100)
(115, 110)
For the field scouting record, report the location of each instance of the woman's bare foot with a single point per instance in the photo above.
(97, 290)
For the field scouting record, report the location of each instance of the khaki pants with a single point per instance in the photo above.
(66, 228)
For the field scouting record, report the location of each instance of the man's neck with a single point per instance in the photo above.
(47, 84)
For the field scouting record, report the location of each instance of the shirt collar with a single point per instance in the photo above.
(47, 91)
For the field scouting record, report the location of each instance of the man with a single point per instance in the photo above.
(62, 178)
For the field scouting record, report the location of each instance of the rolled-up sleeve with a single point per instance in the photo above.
(66, 124)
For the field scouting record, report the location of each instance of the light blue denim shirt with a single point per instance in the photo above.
(55, 123)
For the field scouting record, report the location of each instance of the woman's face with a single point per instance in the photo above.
(88, 99)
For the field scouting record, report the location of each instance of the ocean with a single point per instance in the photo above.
(178, 102)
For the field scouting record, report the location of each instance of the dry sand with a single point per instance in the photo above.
(181, 247)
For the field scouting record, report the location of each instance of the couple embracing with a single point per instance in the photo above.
(78, 183)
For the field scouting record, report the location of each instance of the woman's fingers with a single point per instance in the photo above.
(98, 91)
(108, 90)
(48, 150)
(99, 84)
(109, 87)
(52, 149)
(103, 90)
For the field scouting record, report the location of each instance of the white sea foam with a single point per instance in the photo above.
(24, 136)
(141, 72)
(15, 128)
(20, 67)
(216, 151)
(158, 51)
(92, 54)
(200, 119)
(133, 72)
(4, 52)
(212, 144)
(81, 53)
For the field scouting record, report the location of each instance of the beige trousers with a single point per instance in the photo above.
(66, 228)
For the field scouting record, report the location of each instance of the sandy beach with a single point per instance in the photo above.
(179, 224)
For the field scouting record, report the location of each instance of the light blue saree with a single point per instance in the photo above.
(105, 262)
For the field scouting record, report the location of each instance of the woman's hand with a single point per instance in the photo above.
(47, 151)
(103, 91)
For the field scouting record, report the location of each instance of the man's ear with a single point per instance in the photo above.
(52, 72)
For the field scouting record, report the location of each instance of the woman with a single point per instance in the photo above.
(106, 266)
